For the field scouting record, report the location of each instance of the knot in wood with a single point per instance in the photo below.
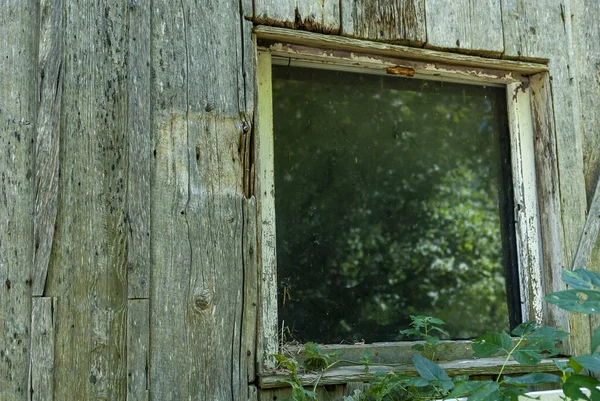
(202, 300)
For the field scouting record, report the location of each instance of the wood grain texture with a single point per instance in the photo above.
(138, 345)
(139, 152)
(88, 265)
(342, 375)
(358, 47)
(548, 195)
(586, 32)
(18, 58)
(334, 392)
(47, 138)
(543, 29)
(589, 236)
(311, 15)
(250, 304)
(398, 21)
(41, 387)
(267, 340)
(197, 201)
(473, 26)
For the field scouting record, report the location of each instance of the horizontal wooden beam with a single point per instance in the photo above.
(488, 366)
(403, 52)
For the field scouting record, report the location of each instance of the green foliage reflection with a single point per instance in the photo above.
(387, 205)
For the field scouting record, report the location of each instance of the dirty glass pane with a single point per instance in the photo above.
(390, 199)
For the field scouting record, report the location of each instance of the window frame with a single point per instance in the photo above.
(533, 172)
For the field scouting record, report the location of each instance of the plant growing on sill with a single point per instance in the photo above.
(531, 345)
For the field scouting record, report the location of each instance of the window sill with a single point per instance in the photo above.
(345, 374)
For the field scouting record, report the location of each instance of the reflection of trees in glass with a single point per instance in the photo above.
(387, 195)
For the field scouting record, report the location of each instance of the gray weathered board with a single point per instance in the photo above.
(200, 70)
(18, 98)
(465, 25)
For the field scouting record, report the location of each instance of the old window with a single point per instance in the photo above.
(382, 196)
(393, 197)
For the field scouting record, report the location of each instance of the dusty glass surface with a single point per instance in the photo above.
(390, 201)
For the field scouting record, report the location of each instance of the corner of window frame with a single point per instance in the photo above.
(533, 150)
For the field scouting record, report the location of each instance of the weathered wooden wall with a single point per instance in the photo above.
(127, 227)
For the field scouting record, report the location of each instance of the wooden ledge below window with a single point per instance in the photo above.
(345, 374)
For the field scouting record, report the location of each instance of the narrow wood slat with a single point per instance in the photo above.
(139, 152)
(41, 387)
(19, 25)
(473, 26)
(138, 345)
(548, 194)
(398, 21)
(47, 142)
(249, 315)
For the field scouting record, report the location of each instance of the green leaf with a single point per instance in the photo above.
(312, 349)
(595, 343)
(580, 301)
(429, 370)
(466, 388)
(532, 379)
(513, 393)
(491, 343)
(487, 392)
(528, 355)
(524, 328)
(581, 279)
(590, 362)
(576, 366)
(287, 363)
(574, 383)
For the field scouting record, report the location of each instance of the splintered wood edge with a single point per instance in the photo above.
(378, 48)
(345, 374)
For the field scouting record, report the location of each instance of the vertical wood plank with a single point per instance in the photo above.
(543, 29)
(138, 126)
(311, 15)
(171, 248)
(47, 140)
(265, 188)
(526, 201)
(398, 21)
(88, 265)
(197, 273)
(249, 314)
(473, 26)
(546, 164)
(43, 311)
(138, 344)
(18, 58)
(586, 31)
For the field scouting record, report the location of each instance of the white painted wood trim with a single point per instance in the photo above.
(267, 343)
(549, 395)
(340, 43)
(525, 201)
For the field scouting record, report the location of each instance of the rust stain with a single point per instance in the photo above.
(398, 70)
